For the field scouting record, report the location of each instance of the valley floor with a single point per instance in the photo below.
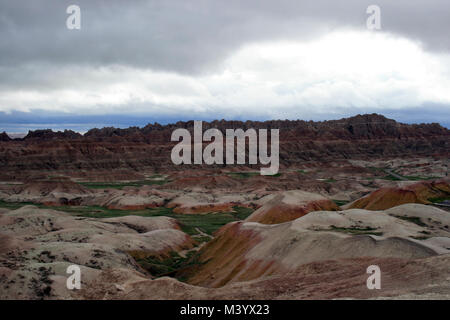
(309, 232)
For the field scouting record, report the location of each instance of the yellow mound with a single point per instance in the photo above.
(386, 198)
(290, 205)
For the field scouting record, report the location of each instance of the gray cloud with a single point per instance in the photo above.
(194, 36)
(183, 58)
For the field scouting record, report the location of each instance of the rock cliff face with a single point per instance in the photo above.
(4, 137)
(46, 135)
(359, 137)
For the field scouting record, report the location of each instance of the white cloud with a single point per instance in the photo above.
(287, 79)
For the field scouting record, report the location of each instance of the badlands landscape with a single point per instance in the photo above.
(350, 193)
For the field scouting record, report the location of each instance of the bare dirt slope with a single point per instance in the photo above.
(386, 198)
(38, 245)
(290, 205)
(244, 251)
(426, 278)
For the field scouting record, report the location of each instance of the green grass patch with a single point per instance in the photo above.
(91, 211)
(201, 238)
(418, 178)
(249, 174)
(439, 200)
(341, 202)
(166, 267)
(415, 220)
(120, 185)
(357, 230)
(243, 175)
(14, 205)
(274, 175)
(391, 178)
(241, 213)
(208, 223)
(410, 178)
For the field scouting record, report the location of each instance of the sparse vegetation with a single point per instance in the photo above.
(389, 177)
(159, 267)
(156, 176)
(341, 202)
(394, 175)
(415, 220)
(249, 174)
(243, 175)
(357, 230)
(13, 205)
(120, 185)
(207, 223)
(200, 238)
(419, 178)
(242, 212)
(426, 233)
(420, 237)
(378, 171)
(354, 230)
(439, 200)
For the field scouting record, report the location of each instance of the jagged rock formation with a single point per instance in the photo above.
(4, 136)
(45, 135)
(359, 137)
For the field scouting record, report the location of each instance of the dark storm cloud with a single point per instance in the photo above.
(207, 59)
(193, 36)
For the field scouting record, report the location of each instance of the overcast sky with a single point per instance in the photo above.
(135, 61)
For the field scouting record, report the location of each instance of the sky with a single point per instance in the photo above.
(134, 62)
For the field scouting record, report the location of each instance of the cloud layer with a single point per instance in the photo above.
(235, 59)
